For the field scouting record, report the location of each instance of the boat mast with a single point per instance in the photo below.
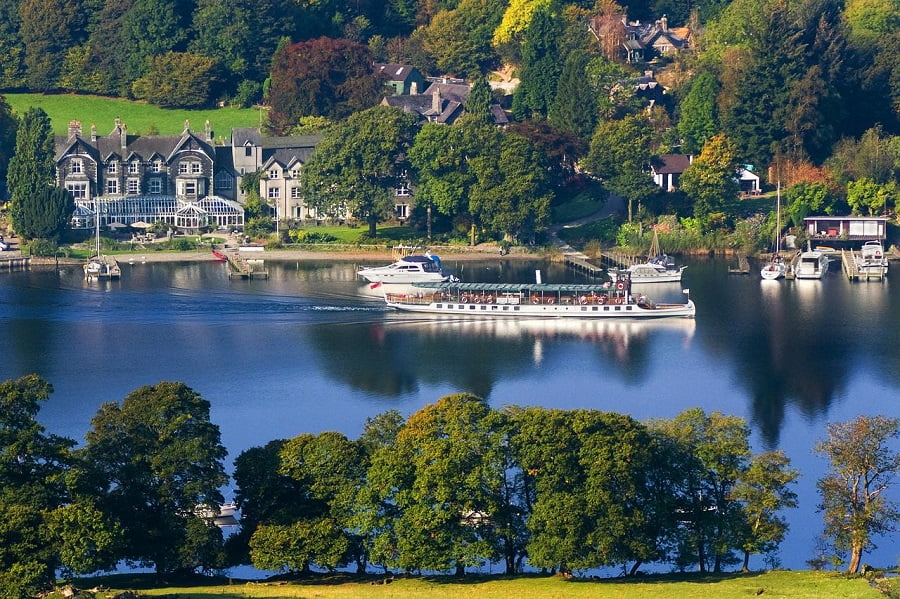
(778, 218)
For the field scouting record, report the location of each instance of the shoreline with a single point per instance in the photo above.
(286, 255)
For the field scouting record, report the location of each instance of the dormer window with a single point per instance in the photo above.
(134, 168)
(195, 168)
(112, 168)
(76, 167)
(273, 174)
(295, 173)
(156, 167)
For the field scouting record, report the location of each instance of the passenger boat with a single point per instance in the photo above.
(811, 265)
(659, 267)
(491, 300)
(872, 259)
(408, 269)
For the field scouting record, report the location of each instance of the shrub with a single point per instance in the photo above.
(301, 236)
(44, 247)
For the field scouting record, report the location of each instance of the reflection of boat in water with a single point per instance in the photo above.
(492, 300)
(408, 269)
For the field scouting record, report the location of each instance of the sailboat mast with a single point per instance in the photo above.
(778, 218)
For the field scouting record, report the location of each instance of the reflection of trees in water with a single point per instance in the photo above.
(787, 342)
(395, 357)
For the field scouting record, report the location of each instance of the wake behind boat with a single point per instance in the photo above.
(408, 269)
(490, 300)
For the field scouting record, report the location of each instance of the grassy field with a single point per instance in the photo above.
(796, 585)
(140, 118)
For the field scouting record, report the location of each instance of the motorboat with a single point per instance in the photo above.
(659, 267)
(408, 269)
(497, 300)
(776, 267)
(812, 264)
(872, 260)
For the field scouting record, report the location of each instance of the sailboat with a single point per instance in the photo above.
(659, 267)
(100, 266)
(776, 267)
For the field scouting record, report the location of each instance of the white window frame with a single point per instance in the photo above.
(155, 185)
(112, 168)
(134, 168)
(133, 186)
(76, 167)
(77, 189)
(273, 173)
(295, 192)
(196, 168)
(274, 193)
(112, 187)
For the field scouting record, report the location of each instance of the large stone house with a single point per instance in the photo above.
(125, 179)
(183, 180)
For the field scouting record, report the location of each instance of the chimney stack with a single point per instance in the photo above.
(436, 100)
(93, 133)
(74, 129)
(208, 129)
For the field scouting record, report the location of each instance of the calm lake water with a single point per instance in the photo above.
(305, 351)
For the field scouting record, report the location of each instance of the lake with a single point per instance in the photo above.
(306, 351)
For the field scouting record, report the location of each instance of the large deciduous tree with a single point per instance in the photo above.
(322, 77)
(697, 123)
(354, 169)
(48, 29)
(178, 79)
(862, 466)
(156, 463)
(151, 28)
(709, 181)
(460, 39)
(32, 483)
(620, 155)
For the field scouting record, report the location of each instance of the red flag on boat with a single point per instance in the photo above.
(375, 285)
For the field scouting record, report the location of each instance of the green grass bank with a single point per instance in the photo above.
(140, 118)
(793, 584)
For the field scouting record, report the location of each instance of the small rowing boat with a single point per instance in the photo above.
(219, 256)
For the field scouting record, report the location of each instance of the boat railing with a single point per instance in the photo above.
(585, 299)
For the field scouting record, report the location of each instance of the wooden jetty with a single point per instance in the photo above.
(15, 261)
(743, 267)
(241, 268)
(850, 262)
(110, 269)
(580, 262)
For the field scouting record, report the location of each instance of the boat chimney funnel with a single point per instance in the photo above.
(537, 277)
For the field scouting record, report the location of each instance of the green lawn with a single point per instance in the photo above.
(796, 585)
(139, 117)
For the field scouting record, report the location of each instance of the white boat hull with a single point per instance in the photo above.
(376, 276)
(527, 310)
(647, 273)
(812, 265)
(773, 271)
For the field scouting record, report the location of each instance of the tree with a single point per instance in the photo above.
(620, 155)
(460, 39)
(177, 79)
(151, 28)
(862, 466)
(224, 33)
(478, 102)
(155, 463)
(510, 33)
(354, 169)
(322, 77)
(698, 113)
(48, 29)
(574, 109)
(867, 195)
(711, 457)
(510, 193)
(541, 66)
(764, 491)
(33, 465)
(47, 214)
(710, 180)
(31, 172)
(806, 198)
(444, 477)
(8, 125)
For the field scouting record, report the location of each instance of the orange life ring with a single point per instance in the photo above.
(489, 299)
(535, 299)
(477, 299)
(620, 285)
(583, 300)
(604, 299)
(550, 300)
(464, 299)
(620, 300)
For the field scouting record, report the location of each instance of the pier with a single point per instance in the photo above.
(14, 262)
(851, 261)
(743, 267)
(580, 262)
(241, 268)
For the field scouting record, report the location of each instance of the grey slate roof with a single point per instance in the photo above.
(673, 164)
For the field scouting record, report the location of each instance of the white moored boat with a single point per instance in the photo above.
(408, 269)
(872, 260)
(812, 264)
(491, 300)
(776, 268)
(659, 267)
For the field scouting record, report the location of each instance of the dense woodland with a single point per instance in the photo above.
(456, 485)
(806, 91)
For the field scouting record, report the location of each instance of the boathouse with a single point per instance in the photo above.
(845, 228)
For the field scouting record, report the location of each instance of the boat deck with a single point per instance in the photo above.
(852, 265)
